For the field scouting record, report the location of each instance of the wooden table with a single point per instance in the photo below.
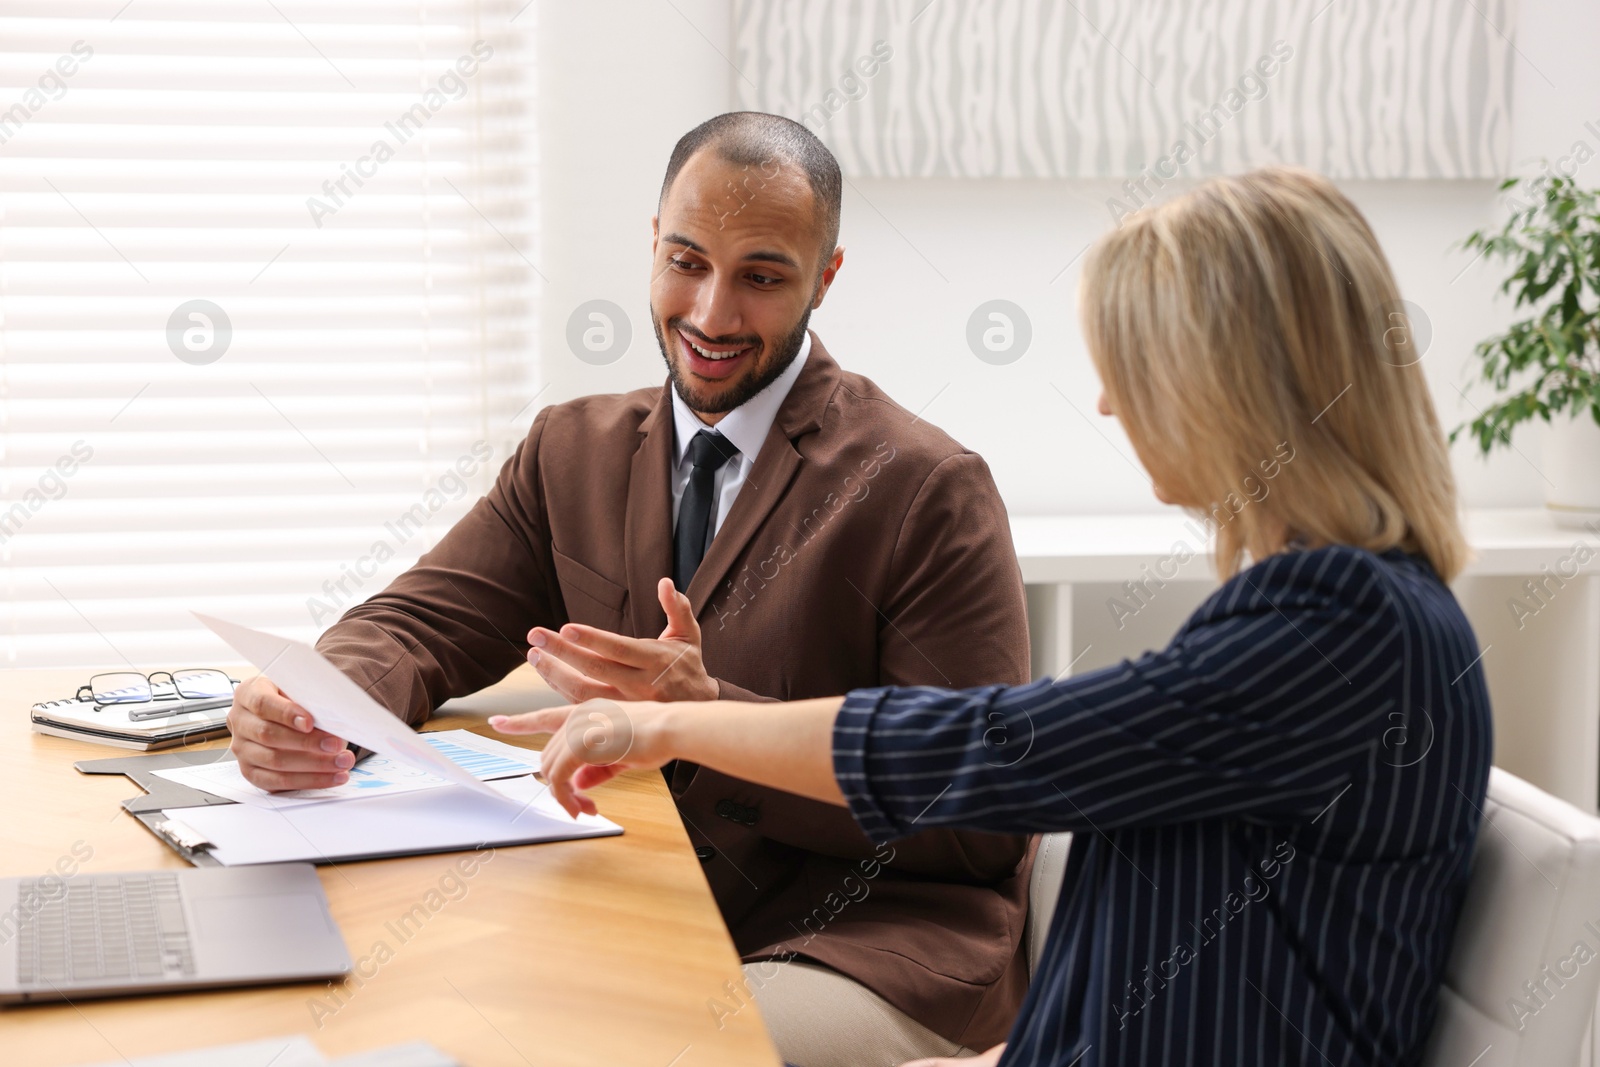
(609, 951)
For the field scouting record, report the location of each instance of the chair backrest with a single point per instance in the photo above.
(1520, 986)
(1532, 915)
(1044, 886)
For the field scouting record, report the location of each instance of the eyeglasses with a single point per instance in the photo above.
(129, 687)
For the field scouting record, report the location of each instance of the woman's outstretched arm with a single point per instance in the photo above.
(785, 746)
(1264, 706)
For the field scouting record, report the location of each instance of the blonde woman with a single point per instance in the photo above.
(1275, 814)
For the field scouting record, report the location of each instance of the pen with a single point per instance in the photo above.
(161, 711)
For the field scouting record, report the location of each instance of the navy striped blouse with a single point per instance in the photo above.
(1274, 817)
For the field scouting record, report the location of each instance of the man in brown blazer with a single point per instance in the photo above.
(824, 538)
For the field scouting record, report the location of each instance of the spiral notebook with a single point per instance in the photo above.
(84, 720)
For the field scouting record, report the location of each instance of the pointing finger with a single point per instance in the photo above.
(543, 721)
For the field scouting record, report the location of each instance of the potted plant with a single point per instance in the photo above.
(1552, 240)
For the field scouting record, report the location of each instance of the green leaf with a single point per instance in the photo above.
(1551, 246)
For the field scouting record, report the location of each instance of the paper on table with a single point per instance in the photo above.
(435, 820)
(336, 703)
(294, 1051)
(483, 757)
(410, 1054)
(291, 1051)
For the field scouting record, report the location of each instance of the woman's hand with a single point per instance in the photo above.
(591, 743)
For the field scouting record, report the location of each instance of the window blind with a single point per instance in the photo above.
(267, 294)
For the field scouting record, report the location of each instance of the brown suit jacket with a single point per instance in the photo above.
(866, 548)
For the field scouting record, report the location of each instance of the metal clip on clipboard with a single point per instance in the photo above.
(161, 794)
(186, 840)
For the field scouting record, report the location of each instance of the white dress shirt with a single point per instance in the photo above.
(746, 426)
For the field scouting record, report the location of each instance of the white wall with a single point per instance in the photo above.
(621, 81)
(891, 316)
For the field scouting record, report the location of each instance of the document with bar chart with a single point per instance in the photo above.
(482, 757)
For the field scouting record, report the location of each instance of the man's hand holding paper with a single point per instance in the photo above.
(338, 708)
(277, 744)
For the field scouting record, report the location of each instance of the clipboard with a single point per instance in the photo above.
(161, 797)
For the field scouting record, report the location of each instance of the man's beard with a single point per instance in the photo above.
(783, 355)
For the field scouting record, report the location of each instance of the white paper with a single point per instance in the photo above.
(293, 1051)
(336, 703)
(482, 757)
(449, 818)
(410, 1054)
(486, 758)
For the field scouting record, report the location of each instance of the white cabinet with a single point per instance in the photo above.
(1101, 587)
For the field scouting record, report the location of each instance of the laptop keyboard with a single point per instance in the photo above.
(102, 927)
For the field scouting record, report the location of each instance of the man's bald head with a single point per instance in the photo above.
(756, 139)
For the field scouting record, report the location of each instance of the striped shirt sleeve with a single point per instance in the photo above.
(1261, 708)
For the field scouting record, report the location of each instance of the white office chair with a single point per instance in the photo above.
(1535, 885)
(1044, 886)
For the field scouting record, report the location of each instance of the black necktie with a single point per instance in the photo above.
(707, 452)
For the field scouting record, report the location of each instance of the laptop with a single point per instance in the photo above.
(100, 935)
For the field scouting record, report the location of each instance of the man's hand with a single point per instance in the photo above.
(584, 663)
(277, 746)
(591, 743)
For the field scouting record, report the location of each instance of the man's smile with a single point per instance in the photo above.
(711, 360)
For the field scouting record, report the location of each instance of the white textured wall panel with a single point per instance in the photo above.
(1099, 88)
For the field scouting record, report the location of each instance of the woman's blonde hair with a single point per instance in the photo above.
(1251, 339)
